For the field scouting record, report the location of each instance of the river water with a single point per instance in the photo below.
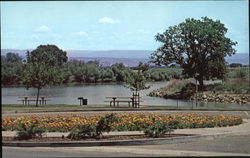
(97, 93)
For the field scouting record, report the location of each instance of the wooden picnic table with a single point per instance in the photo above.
(27, 99)
(114, 100)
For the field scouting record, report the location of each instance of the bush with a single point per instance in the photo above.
(157, 129)
(105, 124)
(82, 131)
(25, 132)
(235, 88)
(174, 124)
(92, 131)
(239, 72)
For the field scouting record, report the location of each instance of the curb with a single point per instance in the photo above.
(151, 141)
(103, 143)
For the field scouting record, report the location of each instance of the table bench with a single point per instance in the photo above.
(27, 99)
(116, 102)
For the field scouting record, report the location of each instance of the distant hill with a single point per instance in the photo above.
(128, 57)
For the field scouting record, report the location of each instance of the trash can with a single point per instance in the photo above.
(84, 101)
(81, 100)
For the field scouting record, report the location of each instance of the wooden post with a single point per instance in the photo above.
(26, 99)
(138, 100)
(133, 100)
(114, 101)
(196, 89)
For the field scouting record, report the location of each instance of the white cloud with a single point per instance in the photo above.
(42, 28)
(40, 36)
(81, 33)
(108, 20)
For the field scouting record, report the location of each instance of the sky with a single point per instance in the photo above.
(112, 25)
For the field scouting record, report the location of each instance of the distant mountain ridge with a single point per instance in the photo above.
(127, 57)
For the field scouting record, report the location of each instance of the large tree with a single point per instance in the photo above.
(198, 46)
(43, 67)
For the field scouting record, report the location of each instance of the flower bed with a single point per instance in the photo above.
(127, 122)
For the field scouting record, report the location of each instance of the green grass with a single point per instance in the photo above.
(59, 107)
(47, 107)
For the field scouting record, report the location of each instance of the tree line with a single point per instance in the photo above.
(75, 71)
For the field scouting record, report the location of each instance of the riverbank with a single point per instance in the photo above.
(185, 89)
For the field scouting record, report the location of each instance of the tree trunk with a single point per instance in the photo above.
(201, 84)
(38, 91)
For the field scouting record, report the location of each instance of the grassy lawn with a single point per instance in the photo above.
(61, 107)
(47, 107)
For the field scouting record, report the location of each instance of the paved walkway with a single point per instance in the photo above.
(234, 130)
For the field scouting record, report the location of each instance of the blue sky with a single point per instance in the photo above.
(113, 25)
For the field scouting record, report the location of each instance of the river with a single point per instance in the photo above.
(96, 93)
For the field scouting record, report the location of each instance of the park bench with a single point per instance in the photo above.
(27, 99)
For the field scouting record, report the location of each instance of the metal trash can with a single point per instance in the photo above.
(84, 101)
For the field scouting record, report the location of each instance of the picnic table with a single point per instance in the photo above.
(27, 99)
(118, 99)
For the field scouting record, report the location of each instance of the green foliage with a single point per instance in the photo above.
(92, 131)
(120, 72)
(43, 67)
(240, 72)
(105, 123)
(41, 70)
(25, 132)
(11, 68)
(143, 66)
(136, 81)
(157, 129)
(198, 46)
(235, 65)
(174, 124)
(50, 55)
(163, 74)
(235, 88)
(82, 131)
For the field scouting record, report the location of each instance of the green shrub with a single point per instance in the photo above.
(240, 72)
(25, 132)
(105, 123)
(92, 131)
(232, 87)
(82, 131)
(174, 124)
(157, 129)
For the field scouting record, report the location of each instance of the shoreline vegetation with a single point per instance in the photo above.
(230, 91)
